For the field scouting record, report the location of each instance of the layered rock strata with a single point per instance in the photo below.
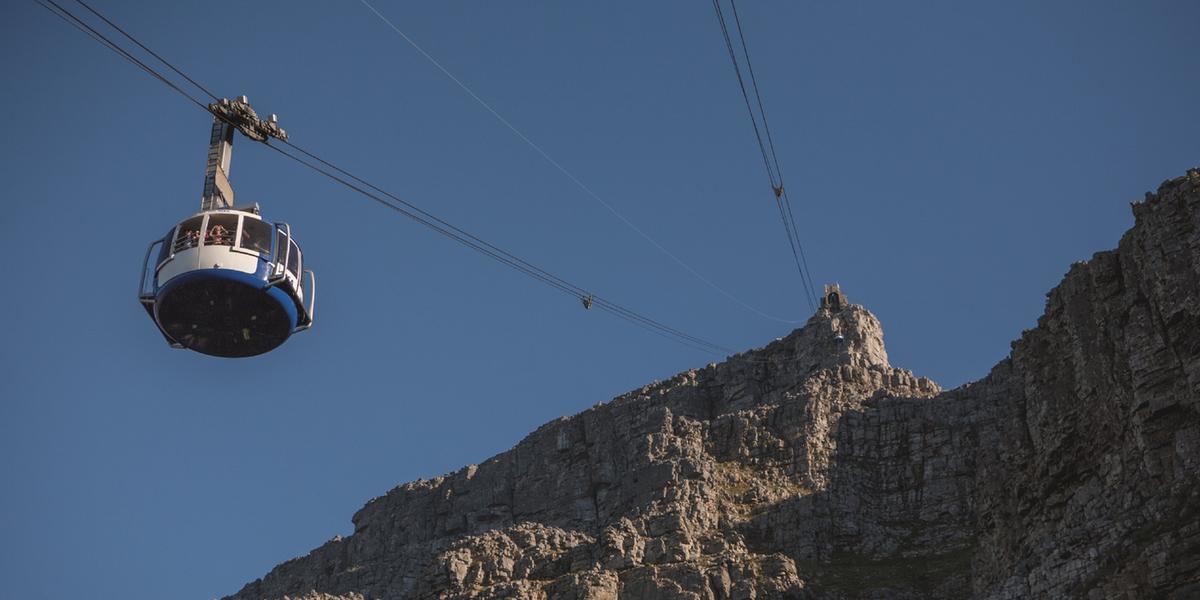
(811, 468)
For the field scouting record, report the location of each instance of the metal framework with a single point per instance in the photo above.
(229, 115)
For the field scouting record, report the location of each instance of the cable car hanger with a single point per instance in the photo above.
(229, 115)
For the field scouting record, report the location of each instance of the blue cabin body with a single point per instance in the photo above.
(227, 283)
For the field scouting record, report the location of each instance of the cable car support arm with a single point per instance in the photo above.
(229, 115)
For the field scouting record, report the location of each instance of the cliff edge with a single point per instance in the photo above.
(811, 468)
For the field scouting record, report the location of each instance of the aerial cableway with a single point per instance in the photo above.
(227, 283)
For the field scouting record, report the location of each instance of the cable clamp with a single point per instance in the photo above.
(238, 113)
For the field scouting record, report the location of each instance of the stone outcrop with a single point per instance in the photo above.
(811, 468)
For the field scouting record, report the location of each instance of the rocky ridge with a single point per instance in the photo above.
(812, 468)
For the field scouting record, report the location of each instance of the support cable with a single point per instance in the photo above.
(406, 208)
(482, 246)
(767, 149)
(771, 143)
(75, 21)
(148, 50)
(587, 190)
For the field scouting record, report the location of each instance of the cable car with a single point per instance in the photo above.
(225, 281)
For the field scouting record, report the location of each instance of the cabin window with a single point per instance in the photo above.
(164, 251)
(221, 229)
(256, 235)
(281, 241)
(188, 235)
(293, 264)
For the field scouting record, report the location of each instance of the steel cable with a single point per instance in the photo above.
(767, 150)
(401, 206)
(571, 176)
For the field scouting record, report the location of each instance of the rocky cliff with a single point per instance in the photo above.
(812, 468)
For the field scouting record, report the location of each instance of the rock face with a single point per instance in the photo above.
(813, 469)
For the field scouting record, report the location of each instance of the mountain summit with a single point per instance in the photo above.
(811, 468)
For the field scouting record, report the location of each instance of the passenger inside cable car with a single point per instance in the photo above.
(189, 234)
(220, 229)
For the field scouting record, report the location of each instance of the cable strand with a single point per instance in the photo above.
(69, 17)
(415, 213)
(148, 50)
(473, 242)
(571, 176)
(762, 111)
(770, 157)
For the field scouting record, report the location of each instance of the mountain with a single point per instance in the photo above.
(812, 468)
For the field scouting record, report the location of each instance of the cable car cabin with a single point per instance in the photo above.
(227, 283)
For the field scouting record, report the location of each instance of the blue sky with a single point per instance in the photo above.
(947, 161)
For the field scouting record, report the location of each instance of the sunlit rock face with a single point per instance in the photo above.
(811, 468)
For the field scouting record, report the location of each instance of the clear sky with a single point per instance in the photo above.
(947, 162)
